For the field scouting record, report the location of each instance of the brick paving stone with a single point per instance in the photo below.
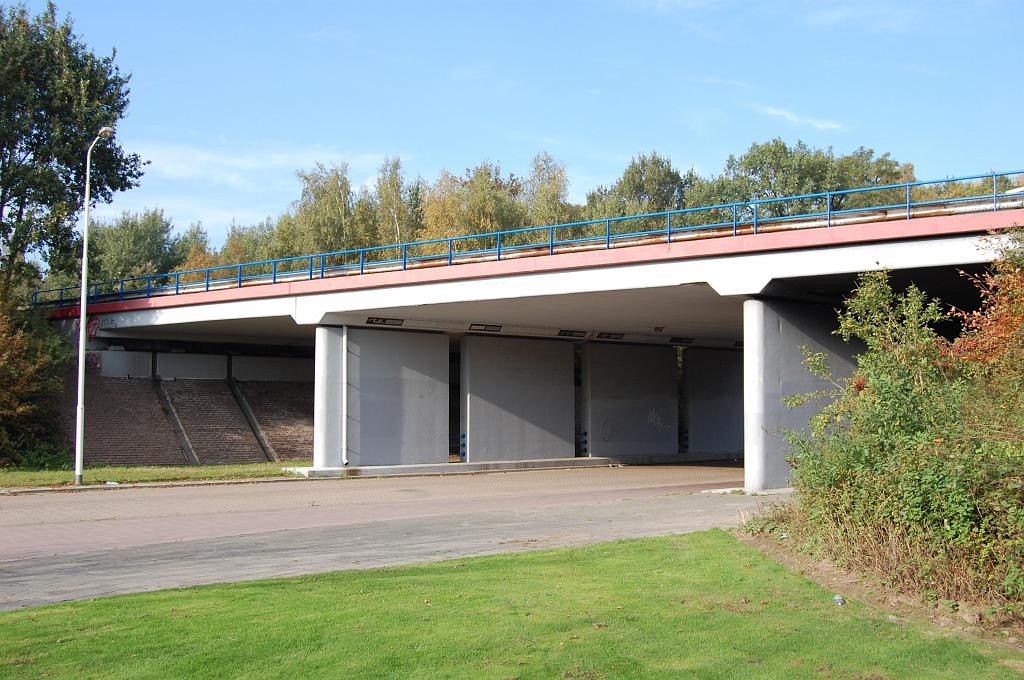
(127, 540)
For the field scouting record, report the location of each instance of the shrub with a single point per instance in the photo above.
(32, 355)
(914, 469)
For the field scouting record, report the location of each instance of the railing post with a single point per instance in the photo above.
(551, 241)
(149, 286)
(450, 249)
(668, 227)
(239, 276)
(321, 266)
(120, 290)
(60, 298)
(177, 283)
(995, 193)
(207, 280)
(607, 233)
(498, 238)
(273, 272)
(828, 208)
(362, 260)
(755, 218)
(405, 256)
(908, 200)
(734, 219)
(310, 267)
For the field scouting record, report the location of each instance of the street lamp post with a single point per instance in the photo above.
(104, 133)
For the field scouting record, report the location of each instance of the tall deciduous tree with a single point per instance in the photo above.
(55, 93)
(483, 200)
(134, 244)
(325, 210)
(398, 203)
(775, 169)
(547, 192)
(648, 184)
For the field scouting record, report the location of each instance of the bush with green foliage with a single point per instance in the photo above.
(32, 357)
(914, 469)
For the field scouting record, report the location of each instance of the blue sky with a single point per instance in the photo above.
(230, 99)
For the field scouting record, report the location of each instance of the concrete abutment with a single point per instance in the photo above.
(774, 337)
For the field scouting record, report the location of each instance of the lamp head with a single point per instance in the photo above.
(106, 132)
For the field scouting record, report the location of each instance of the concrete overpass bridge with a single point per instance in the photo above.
(664, 337)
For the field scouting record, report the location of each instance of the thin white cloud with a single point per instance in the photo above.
(888, 17)
(247, 168)
(790, 117)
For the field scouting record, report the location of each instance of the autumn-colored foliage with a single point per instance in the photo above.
(996, 328)
(915, 468)
(31, 358)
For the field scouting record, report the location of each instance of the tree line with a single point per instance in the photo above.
(332, 214)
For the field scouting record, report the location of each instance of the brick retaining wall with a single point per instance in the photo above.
(214, 422)
(284, 411)
(125, 423)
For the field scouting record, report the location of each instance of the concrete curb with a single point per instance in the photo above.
(386, 472)
(21, 491)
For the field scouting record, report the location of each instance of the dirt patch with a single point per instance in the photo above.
(899, 607)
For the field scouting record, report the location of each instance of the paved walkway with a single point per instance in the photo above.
(75, 545)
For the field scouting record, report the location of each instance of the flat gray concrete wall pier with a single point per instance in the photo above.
(713, 397)
(773, 335)
(517, 399)
(381, 398)
(398, 397)
(630, 401)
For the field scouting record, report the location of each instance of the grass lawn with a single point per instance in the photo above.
(696, 605)
(152, 473)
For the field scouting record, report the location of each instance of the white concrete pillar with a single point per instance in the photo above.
(330, 398)
(754, 425)
(774, 334)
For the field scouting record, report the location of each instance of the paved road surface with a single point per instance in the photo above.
(71, 545)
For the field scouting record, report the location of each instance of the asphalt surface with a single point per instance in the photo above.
(69, 545)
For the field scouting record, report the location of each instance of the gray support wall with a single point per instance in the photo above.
(773, 334)
(630, 401)
(713, 394)
(397, 398)
(171, 365)
(517, 399)
(121, 364)
(276, 369)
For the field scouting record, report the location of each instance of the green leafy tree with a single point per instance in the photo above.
(547, 193)
(398, 205)
(249, 243)
(194, 240)
(134, 244)
(775, 169)
(483, 200)
(649, 183)
(325, 210)
(56, 94)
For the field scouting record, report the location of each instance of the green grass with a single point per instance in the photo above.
(153, 473)
(698, 605)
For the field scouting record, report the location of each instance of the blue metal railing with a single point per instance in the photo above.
(730, 219)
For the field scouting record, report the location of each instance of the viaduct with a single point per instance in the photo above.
(669, 337)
